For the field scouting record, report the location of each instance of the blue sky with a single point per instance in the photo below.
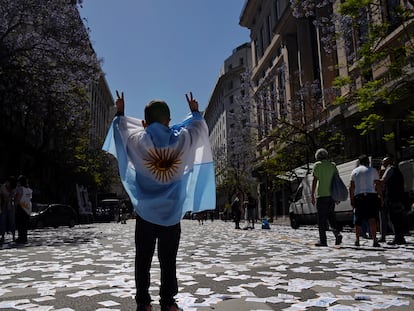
(161, 49)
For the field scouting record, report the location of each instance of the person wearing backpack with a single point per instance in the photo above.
(323, 173)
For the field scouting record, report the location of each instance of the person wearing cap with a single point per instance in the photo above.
(393, 187)
(323, 172)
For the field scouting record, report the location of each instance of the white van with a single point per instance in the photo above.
(303, 212)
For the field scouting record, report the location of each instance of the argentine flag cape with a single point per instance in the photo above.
(165, 171)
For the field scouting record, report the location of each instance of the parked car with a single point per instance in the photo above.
(53, 215)
(108, 210)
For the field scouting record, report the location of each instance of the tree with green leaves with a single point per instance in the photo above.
(47, 65)
(376, 39)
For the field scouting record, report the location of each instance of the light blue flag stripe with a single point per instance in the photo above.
(194, 192)
(201, 191)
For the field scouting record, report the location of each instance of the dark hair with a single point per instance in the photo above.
(387, 161)
(22, 180)
(12, 181)
(157, 111)
(364, 160)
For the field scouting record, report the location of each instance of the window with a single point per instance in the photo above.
(277, 10)
(269, 29)
(359, 34)
(390, 12)
(282, 98)
(273, 103)
(262, 42)
(256, 52)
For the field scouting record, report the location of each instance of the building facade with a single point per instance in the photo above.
(293, 90)
(228, 117)
(102, 110)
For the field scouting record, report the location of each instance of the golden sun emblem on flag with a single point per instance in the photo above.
(163, 163)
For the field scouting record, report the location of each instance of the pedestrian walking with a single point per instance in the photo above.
(323, 172)
(236, 210)
(365, 198)
(7, 208)
(251, 210)
(393, 186)
(166, 171)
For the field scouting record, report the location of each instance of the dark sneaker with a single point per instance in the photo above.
(376, 244)
(321, 244)
(173, 307)
(356, 243)
(338, 239)
(144, 307)
(401, 242)
(21, 241)
(397, 242)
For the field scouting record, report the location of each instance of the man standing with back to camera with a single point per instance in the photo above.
(393, 185)
(365, 198)
(323, 172)
(166, 171)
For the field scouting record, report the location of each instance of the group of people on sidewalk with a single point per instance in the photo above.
(246, 208)
(375, 196)
(15, 208)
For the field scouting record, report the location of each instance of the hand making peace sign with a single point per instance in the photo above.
(120, 104)
(192, 102)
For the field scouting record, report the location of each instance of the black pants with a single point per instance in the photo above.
(399, 219)
(22, 223)
(385, 222)
(326, 213)
(237, 217)
(146, 236)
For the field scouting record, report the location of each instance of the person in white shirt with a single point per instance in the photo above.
(23, 208)
(365, 198)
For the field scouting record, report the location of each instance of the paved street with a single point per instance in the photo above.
(91, 267)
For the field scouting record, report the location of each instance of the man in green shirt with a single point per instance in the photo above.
(323, 171)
